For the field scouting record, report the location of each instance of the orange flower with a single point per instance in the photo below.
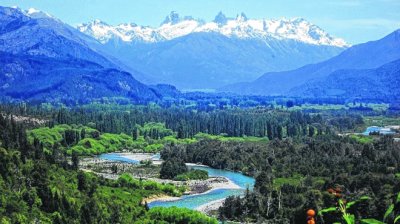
(311, 221)
(311, 213)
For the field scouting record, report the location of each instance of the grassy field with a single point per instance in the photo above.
(105, 143)
(49, 136)
(93, 142)
(295, 180)
(362, 138)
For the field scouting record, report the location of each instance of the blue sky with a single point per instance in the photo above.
(354, 20)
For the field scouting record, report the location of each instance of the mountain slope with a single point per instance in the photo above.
(32, 34)
(209, 60)
(380, 83)
(38, 78)
(363, 56)
(191, 53)
(45, 59)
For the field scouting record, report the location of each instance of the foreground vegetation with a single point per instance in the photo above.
(41, 187)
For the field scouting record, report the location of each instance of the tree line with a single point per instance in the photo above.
(257, 121)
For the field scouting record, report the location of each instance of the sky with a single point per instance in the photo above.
(356, 21)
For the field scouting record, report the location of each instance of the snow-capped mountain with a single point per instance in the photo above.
(128, 32)
(194, 54)
(241, 27)
(44, 59)
(34, 13)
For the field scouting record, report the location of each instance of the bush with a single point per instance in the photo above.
(171, 168)
(177, 215)
(126, 180)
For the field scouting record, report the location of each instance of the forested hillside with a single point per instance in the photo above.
(44, 187)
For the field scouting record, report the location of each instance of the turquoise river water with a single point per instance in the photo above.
(194, 201)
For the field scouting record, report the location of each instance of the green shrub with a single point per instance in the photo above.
(177, 215)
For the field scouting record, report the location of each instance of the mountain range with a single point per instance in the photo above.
(379, 83)
(175, 26)
(43, 58)
(356, 59)
(193, 54)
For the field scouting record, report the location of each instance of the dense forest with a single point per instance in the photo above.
(293, 175)
(256, 121)
(300, 159)
(40, 187)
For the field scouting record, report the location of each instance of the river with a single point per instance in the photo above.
(195, 201)
(378, 130)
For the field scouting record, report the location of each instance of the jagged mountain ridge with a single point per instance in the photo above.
(193, 54)
(240, 27)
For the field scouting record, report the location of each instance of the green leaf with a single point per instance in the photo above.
(326, 210)
(348, 205)
(388, 211)
(350, 219)
(396, 219)
(365, 198)
(398, 198)
(371, 221)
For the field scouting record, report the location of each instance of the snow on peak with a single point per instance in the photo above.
(128, 32)
(241, 27)
(34, 13)
(302, 30)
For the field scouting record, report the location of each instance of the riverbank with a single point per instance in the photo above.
(160, 197)
(211, 206)
(211, 184)
(140, 157)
